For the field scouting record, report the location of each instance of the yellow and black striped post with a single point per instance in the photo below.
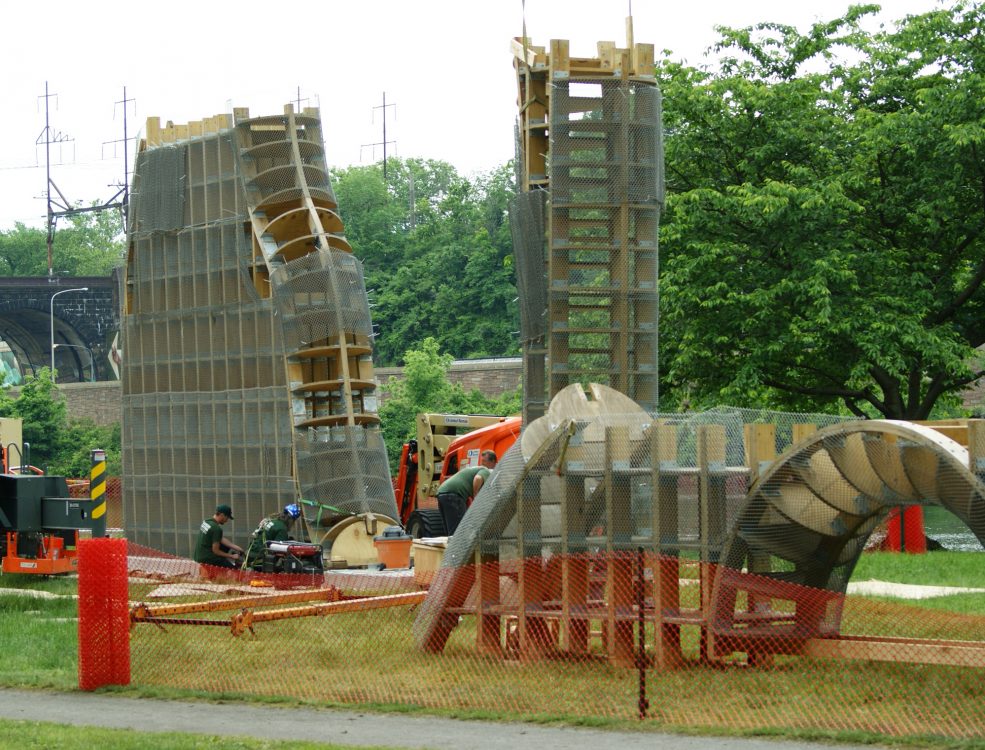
(97, 492)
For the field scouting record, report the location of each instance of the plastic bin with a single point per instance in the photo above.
(393, 547)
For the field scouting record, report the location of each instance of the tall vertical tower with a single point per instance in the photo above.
(247, 369)
(590, 175)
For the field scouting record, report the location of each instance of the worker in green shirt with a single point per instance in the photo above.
(275, 528)
(455, 492)
(212, 548)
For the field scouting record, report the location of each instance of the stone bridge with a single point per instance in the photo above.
(41, 317)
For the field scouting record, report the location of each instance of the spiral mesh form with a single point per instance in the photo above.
(213, 318)
(302, 290)
(709, 488)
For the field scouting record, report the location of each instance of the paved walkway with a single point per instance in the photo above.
(347, 727)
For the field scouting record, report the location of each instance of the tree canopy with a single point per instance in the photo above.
(425, 387)
(437, 255)
(823, 245)
(87, 244)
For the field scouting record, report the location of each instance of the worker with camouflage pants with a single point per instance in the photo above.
(456, 491)
(275, 528)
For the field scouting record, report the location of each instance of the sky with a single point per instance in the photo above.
(444, 67)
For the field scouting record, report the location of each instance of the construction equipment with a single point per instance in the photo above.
(293, 557)
(444, 444)
(40, 522)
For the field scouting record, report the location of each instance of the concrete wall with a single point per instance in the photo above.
(101, 401)
(491, 377)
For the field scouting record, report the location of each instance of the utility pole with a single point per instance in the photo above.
(49, 138)
(384, 142)
(65, 207)
(125, 188)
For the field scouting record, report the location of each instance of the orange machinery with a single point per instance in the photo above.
(39, 521)
(444, 444)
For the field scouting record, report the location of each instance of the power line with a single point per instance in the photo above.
(384, 142)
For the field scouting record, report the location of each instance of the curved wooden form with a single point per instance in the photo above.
(805, 522)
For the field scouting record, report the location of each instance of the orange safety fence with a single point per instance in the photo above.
(675, 642)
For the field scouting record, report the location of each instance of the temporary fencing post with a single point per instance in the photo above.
(104, 618)
(643, 702)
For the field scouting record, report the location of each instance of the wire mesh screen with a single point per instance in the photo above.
(606, 191)
(219, 406)
(158, 204)
(341, 467)
(321, 295)
(691, 487)
(528, 222)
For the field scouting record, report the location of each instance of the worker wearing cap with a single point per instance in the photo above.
(212, 548)
(455, 492)
(275, 528)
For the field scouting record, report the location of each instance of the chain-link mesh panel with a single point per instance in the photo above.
(321, 295)
(605, 185)
(158, 197)
(345, 467)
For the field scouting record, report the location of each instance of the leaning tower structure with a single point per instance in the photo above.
(247, 363)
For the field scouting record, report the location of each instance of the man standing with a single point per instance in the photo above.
(212, 548)
(456, 491)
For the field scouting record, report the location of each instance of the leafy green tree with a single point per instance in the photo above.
(425, 388)
(89, 244)
(80, 438)
(23, 251)
(86, 244)
(437, 255)
(43, 415)
(59, 445)
(823, 245)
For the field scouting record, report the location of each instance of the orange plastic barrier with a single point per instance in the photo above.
(104, 617)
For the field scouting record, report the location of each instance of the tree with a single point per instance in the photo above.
(823, 245)
(43, 415)
(425, 388)
(58, 444)
(87, 244)
(439, 265)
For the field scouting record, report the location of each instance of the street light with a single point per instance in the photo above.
(92, 359)
(52, 317)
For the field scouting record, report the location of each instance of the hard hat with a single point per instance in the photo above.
(293, 510)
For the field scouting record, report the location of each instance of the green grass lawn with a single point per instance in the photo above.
(37, 734)
(369, 660)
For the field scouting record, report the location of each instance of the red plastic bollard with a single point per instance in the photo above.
(104, 614)
(905, 531)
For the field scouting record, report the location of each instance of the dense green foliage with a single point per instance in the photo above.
(425, 388)
(437, 255)
(88, 244)
(822, 248)
(823, 243)
(58, 445)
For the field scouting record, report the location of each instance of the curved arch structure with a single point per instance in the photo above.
(584, 489)
(806, 520)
